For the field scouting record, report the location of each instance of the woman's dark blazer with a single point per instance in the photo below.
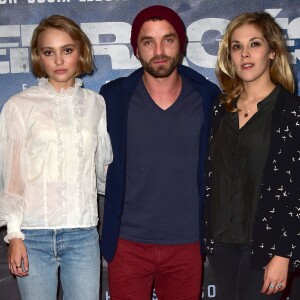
(276, 229)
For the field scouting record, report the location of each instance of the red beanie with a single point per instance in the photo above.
(161, 12)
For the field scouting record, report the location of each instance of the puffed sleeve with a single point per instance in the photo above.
(11, 180)
(104, 155)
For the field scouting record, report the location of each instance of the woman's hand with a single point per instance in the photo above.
(17, 258)
(275, 276)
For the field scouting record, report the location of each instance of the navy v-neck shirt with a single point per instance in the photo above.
(161, 197)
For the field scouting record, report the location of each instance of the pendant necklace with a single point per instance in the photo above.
(246, 114)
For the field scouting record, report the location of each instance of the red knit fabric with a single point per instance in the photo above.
(162, 12)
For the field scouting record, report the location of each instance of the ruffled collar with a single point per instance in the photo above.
(44, 84)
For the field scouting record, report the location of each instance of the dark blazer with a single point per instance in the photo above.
(117, 95)
(276, 229)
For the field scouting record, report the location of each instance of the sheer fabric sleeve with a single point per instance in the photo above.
(104, 155)
(11, 179)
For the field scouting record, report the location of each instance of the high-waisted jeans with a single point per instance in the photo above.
(75, 251)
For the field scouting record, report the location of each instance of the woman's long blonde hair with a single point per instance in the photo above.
(280, 69)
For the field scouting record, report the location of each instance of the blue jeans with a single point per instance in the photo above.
(75, 251)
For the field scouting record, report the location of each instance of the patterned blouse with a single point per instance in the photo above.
(276, 228)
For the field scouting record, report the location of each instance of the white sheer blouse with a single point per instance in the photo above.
(53, 149)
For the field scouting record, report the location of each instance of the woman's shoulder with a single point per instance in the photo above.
(287, 108)
(93, 100)
(23, 98)
(291, 100)
(92, 94)
(286, 117)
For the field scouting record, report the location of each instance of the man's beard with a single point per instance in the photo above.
(163, 70)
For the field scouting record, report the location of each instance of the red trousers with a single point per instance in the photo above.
(175, 271)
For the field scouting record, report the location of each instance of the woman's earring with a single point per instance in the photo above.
(272, 55)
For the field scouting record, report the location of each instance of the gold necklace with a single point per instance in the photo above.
(246, 114)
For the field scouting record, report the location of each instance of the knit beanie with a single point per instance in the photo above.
(161, 12)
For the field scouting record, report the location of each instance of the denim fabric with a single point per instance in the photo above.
(75, 251)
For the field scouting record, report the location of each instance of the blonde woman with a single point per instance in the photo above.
(251, 219)
(54, 149)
